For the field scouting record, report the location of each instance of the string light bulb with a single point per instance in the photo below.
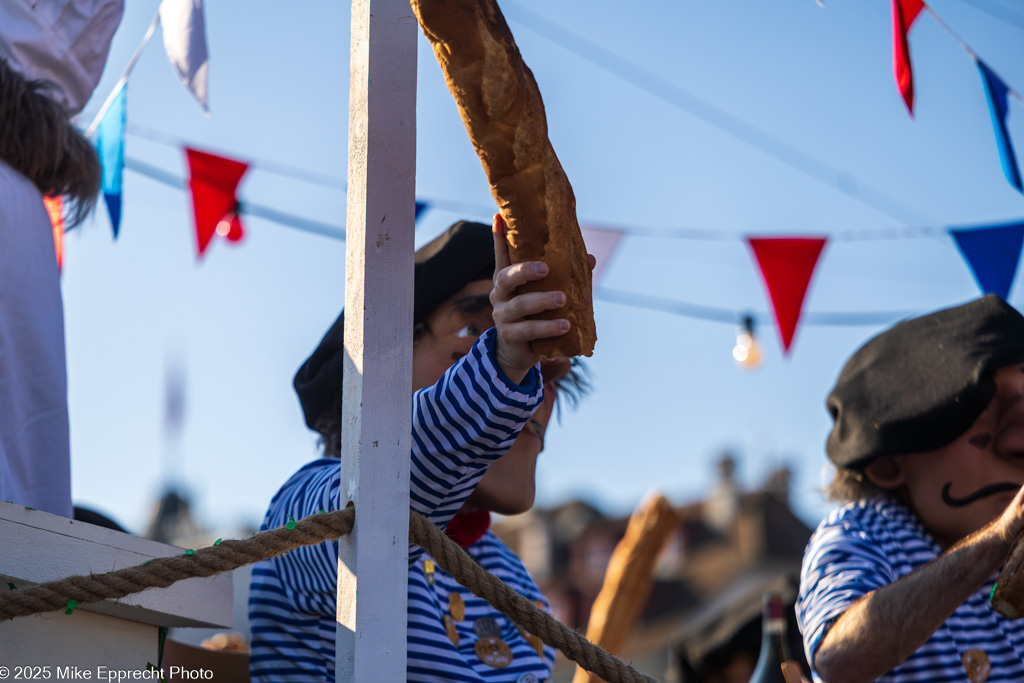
(747, 352)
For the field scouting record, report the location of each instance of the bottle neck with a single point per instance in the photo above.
(772, 627)
(773, 647)
(773, 640)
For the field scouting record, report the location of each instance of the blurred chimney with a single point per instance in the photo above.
(723, 504)
(777, 484)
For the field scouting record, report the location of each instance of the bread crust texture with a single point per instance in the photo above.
(1008, 596)
(501, 107)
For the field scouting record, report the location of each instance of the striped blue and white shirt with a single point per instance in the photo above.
(460, 425)
(866, 545)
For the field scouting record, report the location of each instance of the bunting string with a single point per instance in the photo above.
(258, 210)
(673, 233)
(674, 95)
(456, 206)
(124, 77)
(786, 263)
(991, 252)
(967, 48)
(273, 167)
(185, 44)
(998, 12)
(997, 92)
(715, 314)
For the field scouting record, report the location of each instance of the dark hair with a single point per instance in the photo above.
(573, 386)
(850, 486)
(38, 140)
(328, 425)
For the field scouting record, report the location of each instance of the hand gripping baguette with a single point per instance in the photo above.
(1008, 596)
(501, 107)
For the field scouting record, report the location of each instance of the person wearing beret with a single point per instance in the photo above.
(51, 58)
(928, 446)
(480, 405)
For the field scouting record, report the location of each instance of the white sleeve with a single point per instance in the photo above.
(35, 466)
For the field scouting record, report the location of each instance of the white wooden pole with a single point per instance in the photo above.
(373, 559)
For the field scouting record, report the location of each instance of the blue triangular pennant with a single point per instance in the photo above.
(113, 202)
(992, 253)
(110, 145)
(420, 208)
(996, 94)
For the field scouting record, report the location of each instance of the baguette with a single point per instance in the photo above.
(1008, 596)
(501, 107)
(628, 579)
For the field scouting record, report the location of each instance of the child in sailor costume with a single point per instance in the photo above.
(477, 431)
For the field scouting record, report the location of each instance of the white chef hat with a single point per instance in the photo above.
(64, 42)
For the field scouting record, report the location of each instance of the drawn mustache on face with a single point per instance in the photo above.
(983, 492)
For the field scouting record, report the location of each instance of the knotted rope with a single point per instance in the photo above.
(325, 526)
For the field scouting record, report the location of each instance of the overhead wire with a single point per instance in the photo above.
(280, 217)
(274, 167)
(674, 95)
(970, 52)
(997, 11)
(455, 206)
(728, 315)
(717, 117)
(610, 295)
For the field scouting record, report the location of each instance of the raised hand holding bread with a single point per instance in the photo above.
(501, 107)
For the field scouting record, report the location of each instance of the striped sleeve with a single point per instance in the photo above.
(309, 574)
(841, 565)
(460, 425)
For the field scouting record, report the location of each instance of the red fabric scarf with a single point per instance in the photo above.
(466, 528)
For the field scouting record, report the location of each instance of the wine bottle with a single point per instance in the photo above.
(773, 643)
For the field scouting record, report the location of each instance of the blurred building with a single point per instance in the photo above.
(703, 615)
(174, 522)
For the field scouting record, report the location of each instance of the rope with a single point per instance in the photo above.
(164, 571)
(325, 526)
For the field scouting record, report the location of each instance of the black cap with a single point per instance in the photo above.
(462, 254)
(923, 382)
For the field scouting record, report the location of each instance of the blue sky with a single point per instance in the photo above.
(667, 399)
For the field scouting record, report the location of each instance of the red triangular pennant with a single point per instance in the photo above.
(55, 209)
(786, 264)
(214, 181)
(903, 14)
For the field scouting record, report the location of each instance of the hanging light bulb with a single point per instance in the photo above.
(747, 352)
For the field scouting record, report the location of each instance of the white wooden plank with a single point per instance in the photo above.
(77, 643)
(380, 223)
(36, 547)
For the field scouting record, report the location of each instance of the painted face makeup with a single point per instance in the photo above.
(983, 492)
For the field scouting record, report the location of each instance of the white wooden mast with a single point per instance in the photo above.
(380, 223)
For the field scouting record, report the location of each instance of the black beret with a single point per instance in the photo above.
(462, 254)
(923, 382)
